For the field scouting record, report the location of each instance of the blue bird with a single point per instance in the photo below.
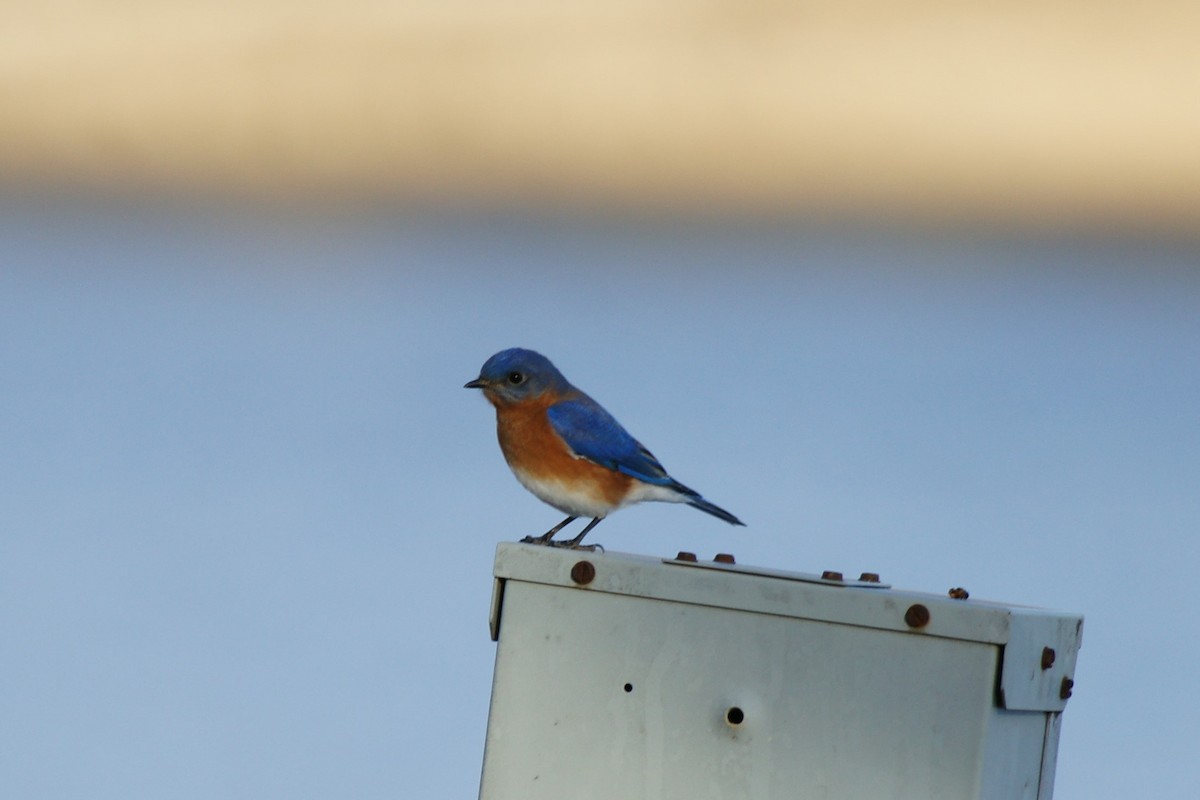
(568, 451)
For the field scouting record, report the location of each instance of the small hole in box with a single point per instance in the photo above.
(735, 716)
(628, 688)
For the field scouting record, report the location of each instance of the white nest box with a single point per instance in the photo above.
(628, 678)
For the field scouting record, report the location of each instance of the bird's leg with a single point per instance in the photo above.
(574, 544)
(548, 535)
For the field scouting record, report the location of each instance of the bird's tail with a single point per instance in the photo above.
(715, 510)
(693, 499)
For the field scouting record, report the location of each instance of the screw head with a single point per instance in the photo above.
(917, 616)
(869, 577)
(831, 575)
(583, 573)
(724, 558)
(1064, 690)
(1047, 657)
(684, 555)
(959, 593)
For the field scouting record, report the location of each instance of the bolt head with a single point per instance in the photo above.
(1047, 657)
(583, 573)
(917, 616)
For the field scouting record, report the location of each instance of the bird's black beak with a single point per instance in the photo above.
(478, 383)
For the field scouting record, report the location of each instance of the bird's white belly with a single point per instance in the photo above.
(569, 497)
(581, 499)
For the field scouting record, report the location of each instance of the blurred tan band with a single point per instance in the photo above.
(1031, 113)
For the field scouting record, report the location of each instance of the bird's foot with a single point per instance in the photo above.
(566, 544)
(569, 544)
(547, 538)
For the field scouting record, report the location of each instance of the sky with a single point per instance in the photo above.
(248, 513)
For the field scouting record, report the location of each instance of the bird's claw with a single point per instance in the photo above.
(566, 544)
(569, 545)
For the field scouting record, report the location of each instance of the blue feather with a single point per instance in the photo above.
(593, 433)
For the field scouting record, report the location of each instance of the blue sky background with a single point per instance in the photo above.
(248, 514)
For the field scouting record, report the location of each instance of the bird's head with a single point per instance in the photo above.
(514, 375)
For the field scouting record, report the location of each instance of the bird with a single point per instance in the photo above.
(568, 451)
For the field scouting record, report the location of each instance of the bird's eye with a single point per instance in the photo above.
(516, 378)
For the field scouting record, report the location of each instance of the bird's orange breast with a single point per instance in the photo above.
(531, 446)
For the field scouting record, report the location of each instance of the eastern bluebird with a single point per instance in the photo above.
(570, 452)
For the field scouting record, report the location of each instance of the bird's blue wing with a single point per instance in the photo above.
(593, 433)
